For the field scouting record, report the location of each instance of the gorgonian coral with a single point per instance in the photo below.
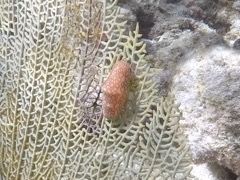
(54, 55)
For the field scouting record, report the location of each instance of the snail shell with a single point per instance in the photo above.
(116, 89)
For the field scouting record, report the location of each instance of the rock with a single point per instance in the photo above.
(236, 5)
(232, 37)
(195, 46)
(212, 171)
(208, 87)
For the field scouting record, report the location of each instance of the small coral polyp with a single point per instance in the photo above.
(116, 89)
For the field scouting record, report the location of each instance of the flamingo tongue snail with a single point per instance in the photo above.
(116, 89)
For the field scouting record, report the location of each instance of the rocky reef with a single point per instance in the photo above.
(196, 47)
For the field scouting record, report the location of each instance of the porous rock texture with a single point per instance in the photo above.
(208, 88)
(195, 44)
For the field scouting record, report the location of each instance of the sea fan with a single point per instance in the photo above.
(54, 57)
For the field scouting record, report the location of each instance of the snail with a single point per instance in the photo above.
(116, 89)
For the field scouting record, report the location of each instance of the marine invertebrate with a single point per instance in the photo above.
(115, 89)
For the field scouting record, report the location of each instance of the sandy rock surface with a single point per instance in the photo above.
(195, 45)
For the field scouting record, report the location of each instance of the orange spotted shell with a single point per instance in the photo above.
(115, 89)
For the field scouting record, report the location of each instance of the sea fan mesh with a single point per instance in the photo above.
(54, 56)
